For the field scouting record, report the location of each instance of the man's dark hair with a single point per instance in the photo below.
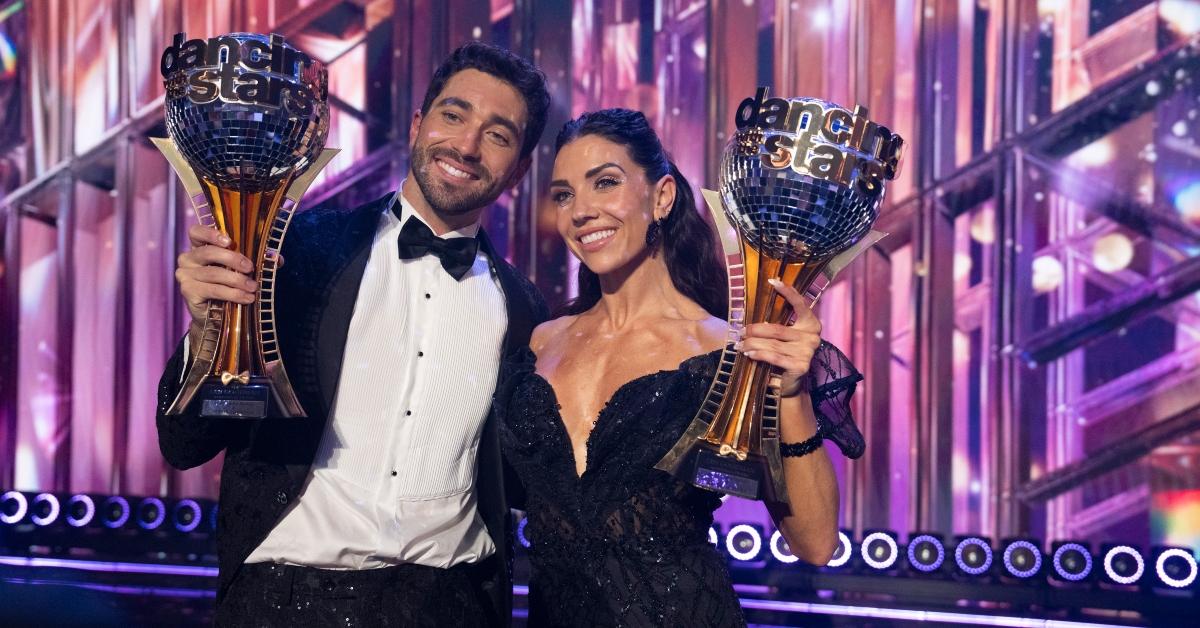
(506, 66)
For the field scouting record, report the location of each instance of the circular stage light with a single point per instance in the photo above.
(13, 507)
(45, 509)
(780, 549)
(1176, 567)
(80, 511)
(844, 551)
(521, 538)
(1072, 562)
(743, 542)
(879, 550)
(1124, 565)
(973, 556)
(186, 515)
(926, 553)
(151, 513)
(1022, 559)
(115, 511)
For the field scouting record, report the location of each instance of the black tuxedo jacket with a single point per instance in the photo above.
(267, 461)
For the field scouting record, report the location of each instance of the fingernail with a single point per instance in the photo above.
(775, 282)
(737, 345)
(246, 265)
(750, 354)
(225, 240)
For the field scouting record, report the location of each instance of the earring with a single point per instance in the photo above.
(654, 232)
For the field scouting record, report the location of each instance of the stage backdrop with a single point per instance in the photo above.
(1028, 330)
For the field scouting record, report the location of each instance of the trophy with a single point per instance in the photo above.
(247, 118)
(800, 183)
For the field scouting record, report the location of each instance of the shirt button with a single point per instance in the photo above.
(393, 474)
(420, 354)
(281, 497)
(408, 413)
(426, 295)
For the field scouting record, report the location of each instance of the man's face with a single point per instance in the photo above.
(466, 150)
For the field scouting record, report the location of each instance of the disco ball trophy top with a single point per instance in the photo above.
(801, 183)
(247, 116)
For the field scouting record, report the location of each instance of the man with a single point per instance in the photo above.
(386, 505)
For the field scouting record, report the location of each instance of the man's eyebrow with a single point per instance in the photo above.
(454, 101)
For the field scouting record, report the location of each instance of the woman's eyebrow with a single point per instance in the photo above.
(591, 173)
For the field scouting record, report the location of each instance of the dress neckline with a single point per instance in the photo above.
(562, 426)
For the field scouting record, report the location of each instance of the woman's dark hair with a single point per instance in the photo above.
(506, 66)
(688, 242)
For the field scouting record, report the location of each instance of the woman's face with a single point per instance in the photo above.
(605, 204)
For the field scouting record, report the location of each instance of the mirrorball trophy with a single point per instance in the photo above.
(801, 183)
(247, 118)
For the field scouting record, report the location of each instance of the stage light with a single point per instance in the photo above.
(973, 555)
(1072, 561)
(1047, 274)
(115, 511)
(45, 509)
(151, 513)
(1175, 566)
(186, 515)
(80, 511)
(844, 551)
(1022, 559)
(744, 542)
(962, 266)
(879, 550)
(1123, 564)
(13, 506)
(926, 553)
(1112, 252)
(983, 225)
(1180, 16)
(780, 549)
(713, 537)
(521, 538)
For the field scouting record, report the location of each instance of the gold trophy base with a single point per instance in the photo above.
(234, 399)
(751, 477)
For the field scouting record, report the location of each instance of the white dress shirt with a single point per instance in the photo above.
(394, 476)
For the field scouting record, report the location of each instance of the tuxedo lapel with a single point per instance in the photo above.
(516, 301)
(350, 260)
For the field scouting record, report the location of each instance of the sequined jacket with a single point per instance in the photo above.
(266, 462)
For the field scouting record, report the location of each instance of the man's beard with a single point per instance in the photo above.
(450, 200)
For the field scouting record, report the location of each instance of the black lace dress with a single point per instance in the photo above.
(625, 544)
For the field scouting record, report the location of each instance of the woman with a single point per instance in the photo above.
(607, 389)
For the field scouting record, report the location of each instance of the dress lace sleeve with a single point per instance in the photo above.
(834, 379)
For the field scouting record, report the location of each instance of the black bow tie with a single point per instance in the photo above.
(457, 254)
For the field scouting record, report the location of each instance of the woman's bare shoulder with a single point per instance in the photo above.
(549, 332)
(712, 332)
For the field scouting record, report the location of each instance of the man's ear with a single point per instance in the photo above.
(664, 196)
(414, 129)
